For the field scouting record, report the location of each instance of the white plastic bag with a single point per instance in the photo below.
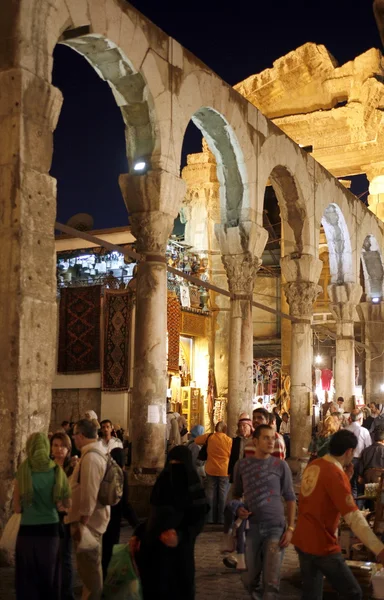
(11, 530)
(87, 542)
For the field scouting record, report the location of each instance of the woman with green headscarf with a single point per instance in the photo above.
(40, 487)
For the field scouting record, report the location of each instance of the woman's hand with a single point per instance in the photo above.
(169, 538)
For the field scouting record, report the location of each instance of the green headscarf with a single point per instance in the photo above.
(38, 461)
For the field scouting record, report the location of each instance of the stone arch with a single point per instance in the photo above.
(292, 210)
(339, 244)
(117, 41)
(373, 269)
(129, 90)
(283, 165)
(208, 103)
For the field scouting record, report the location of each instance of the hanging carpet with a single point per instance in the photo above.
(174, 329)
(117, 320)
(79, 330)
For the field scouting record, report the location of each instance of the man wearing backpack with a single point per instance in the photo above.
(86, 508)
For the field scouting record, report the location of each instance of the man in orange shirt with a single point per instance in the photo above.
(325, 494)
(219, 446)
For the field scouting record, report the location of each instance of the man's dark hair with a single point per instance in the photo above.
(65, 423)
(341, 441)
(87, 428)
(106, 421)
(340, 399)
(378, 434)
(259, 429)
(285, 414)
(262, 411)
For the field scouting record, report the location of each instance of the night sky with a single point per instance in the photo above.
(237, 41)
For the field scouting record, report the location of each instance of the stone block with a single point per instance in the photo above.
(176, 54)
(38, 265)
(79, 12)
(37, 341)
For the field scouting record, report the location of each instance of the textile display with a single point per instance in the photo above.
(266, 376)
(79, 333)
(326, 378)
(117, 320)
(174, 329)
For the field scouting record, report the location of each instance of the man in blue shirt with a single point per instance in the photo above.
(262, 480)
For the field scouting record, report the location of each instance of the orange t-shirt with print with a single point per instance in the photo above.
(325, 494)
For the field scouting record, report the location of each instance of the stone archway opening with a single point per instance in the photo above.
(373, 270)
(339, 245)
(130, 92)
(230, 167)
(292, 210)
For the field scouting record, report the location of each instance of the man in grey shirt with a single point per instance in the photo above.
(263, 480)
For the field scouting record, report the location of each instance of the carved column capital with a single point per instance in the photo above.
(153, 201)
(151, 230)
(343, 300)
(241, 271)
(300, 296)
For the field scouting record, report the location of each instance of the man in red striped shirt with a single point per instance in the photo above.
(261, 416)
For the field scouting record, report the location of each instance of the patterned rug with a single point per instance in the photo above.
(174, 329)
(79, 333)
(117, 319)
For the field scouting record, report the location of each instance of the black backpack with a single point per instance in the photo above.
(203, 454)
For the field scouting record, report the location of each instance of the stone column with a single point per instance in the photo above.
(372, 318)
(241, 249)
(29, 109)
(344, 298)
(152, 200)
(301, 289)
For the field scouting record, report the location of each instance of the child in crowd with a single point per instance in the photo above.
(234, 536)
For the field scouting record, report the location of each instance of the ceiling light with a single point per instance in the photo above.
(376, 300)
(318, 359)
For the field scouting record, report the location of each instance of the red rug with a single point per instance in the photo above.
(174, 330)
(79, 330)
(117, 320)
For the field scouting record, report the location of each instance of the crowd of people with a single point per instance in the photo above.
(243, 484)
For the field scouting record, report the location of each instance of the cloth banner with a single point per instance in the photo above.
(79, 330)
(117, 321)
(174, 330)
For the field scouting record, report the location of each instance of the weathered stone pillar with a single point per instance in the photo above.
(372, 318)
(29, 109)
(152, 200)
(301, 289)
(241, 249)
(343, 301)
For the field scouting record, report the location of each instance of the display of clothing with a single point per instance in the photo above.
(326, 378)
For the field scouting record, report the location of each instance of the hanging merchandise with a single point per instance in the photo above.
(326, 379)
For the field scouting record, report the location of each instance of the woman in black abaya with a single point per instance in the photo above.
(166, 542)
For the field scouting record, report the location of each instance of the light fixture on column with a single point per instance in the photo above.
(382, 387)
(375, 300)
(140, 165)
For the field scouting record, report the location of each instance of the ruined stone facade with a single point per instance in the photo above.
(159, 87)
